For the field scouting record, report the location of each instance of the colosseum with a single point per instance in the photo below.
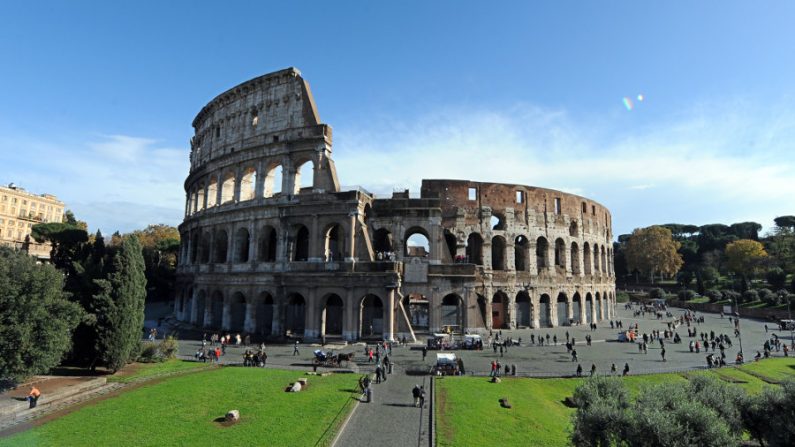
(273, 246)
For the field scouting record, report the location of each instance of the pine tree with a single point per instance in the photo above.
(119, 306)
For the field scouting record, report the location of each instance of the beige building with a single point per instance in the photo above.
(19, 211)
(272, 244)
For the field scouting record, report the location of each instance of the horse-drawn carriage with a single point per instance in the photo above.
(329, 359)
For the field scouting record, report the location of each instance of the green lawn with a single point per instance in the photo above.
(699, 300)
(181, 412)
(146, 370)
(468, 411)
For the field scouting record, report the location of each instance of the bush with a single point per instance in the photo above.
(731, 295)
(622, 297)
(776, 277)
(767, 295)
(656, 293)
(714, 295)
(686, 295)
(158, 352)
(749, 296)
(149, 353)
(168, 348)
(763, 415)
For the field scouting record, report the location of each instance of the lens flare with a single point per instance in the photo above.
(628, 103)
(641, 97)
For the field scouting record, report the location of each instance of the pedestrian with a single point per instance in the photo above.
(424, 352)
(501, 351)
(415, 393)
(295, 348)
(513, 369)
(573, 355)
(626, 369)
(579, 370)
(593, 369)
(662, 354)
(555, 339)
(422, 397)
(378, 373)
(613, 369)
(33, 396)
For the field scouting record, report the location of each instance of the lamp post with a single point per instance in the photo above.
(789, 323)
(737, 325)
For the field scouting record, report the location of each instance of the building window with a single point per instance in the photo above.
(472, 193)
(584, 208)
(593, 210)
(519, 197)
(557, 205)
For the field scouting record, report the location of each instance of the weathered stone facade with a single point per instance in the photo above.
(268, 252)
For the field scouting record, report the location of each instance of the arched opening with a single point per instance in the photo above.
(248, 184)
(542, 253)
(212, 192)
(295, 312)
(520, 253)
(241, 245)
(204, 247)
(588, 308)
(301, 244)
(475, 249)
(563, 310)
(573, 228)
(334, 246)
(418, 311)
(560, 253)
(498, 253)
(499, 310)
(575, 258)
(523, 316)
(266, 250)
(237, 309)
(452, 313)
(595, 258)
(216, 309)
(497, 222)
(200, 198)
(201, 305)
(273, 181)
(304, 177)
(586, 256)
(417, 243)
(221, 246)
(332, 316)
(576, 304)
(382, 244)
(450, 242)
(228, 188)
(371, 316)
(544, 311)
(598, 302)
(264, 314)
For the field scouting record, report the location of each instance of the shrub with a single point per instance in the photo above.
(686, 295)
(731, 295)
(168, 347)
(149, 353)
(763, 415)
(714, 295)
(749, 296)
(770, 298)
(656, 293)
(776, 277)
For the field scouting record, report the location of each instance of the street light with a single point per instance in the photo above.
(737, 325)
(789, 323)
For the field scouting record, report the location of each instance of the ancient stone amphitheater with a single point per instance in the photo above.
(272, 246)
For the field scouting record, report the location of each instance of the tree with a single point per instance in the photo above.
(652, 250)
(119, 306)
(776, 277)
(37, 319)
(767, 416)
(785, 222)
(746, 230)
(160, 245)
(601, 412)
(743, 257)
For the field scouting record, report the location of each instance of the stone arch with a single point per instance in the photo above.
(576, 304)
(264, 314)
(544, 311)
(201, 308)
(237, 312)
(475, 248)
(417, 242)
(212, 192)
(228, 187)
(499, 310)
(304, 176)
(524, 314)
(589, 313)
(382, 243)
(332, 315)
(294, 318)
(498, 253)
(452, 311)
(542, 254)
(221, 246)
(575, 258)
(520, 247)
(371, 316)
(586, 257)
(266, 246)
(300, 251)
(273, 181)
(248, 184)
(242, 240)
(562, 308)
(334, 243)
(216, 310)
(560, 253)
(497, 221)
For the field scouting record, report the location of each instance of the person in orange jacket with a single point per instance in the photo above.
(33, 396)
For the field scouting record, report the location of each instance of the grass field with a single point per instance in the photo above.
(181, 411)
(142, 371)
(468, 412)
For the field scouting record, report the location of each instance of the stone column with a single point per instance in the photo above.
(259, 186)
(311, 318)
(352, 237)
(389, 316)
(510, 256)
(535, 301)
(194, 312)
(252, 242)
(208, 312)
(489, 292)
(582, 309)
(569, 309)
(276, 318)
(593, 309)
(250, 323)
(218, 188)
(553, 311)
(226, 318)
(350, 324)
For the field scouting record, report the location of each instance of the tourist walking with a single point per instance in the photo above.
(33, 396)
(295, 348)
(626, 369)
(422, 397)
(573, 355)
(415, 393)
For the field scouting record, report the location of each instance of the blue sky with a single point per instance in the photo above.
(96, 99)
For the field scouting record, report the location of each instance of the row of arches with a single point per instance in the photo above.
(240, 184)
(543, 311)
